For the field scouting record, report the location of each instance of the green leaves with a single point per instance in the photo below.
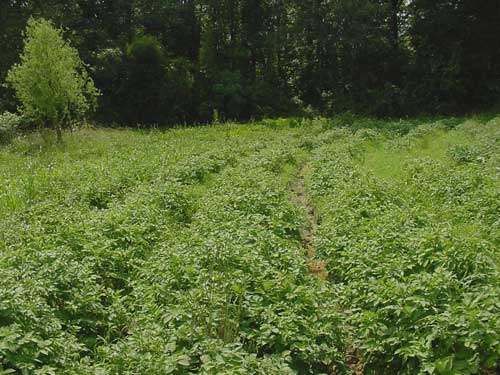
(170, 252)
(408, 248)
(9, 123)
(51, 81)
(178, 252)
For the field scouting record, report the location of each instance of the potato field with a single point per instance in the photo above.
(279, 247)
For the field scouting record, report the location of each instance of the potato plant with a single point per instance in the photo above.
(410, 233)
(182, 251)
(176, 252)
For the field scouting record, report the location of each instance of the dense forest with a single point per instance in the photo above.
(180, 61)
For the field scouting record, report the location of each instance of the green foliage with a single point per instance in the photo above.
(145, 77)
(453, 70)
(253, 59)
(51, 81)
(157, 88)
(410, 234)
(148, 252)
(9, 123)
(173, 252)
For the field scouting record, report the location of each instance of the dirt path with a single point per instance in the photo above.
(307, 232)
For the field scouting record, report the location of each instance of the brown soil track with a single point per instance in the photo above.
(307, 232)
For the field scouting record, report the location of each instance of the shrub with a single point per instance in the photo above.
(9, 122)
(145, 80)
(51, 81)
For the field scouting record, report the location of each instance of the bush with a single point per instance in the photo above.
(9, 122)
(51, 81)
(145, 80)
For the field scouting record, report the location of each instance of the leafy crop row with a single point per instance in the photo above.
(177, 253)
(411, 239)
(180, 252)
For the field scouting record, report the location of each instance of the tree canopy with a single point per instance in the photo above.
(253, 58)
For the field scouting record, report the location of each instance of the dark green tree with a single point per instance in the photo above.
(254, 58)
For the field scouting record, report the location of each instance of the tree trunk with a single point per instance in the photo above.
(394, 22)
(59, 134)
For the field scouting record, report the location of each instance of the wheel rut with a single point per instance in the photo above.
(308, 231)
(308, 234)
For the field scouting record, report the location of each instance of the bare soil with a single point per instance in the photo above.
(307, 232)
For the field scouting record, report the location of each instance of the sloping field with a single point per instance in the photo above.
(282, 247)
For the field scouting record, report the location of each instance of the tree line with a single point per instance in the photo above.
(175, 61)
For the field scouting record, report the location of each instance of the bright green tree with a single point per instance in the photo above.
(51, 81)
